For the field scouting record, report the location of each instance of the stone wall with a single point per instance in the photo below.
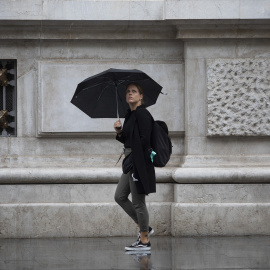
(58, 175)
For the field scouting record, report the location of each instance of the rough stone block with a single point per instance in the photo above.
(238, 97)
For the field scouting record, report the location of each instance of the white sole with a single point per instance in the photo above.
(138, 249)
(138, 252)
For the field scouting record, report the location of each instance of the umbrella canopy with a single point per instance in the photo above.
(104, 95)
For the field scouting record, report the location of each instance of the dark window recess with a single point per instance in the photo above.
(8, 97)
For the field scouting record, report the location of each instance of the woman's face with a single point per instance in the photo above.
(133, 95)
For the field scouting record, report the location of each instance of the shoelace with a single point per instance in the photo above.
(135, 243)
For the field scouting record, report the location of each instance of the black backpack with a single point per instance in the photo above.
(161, 143)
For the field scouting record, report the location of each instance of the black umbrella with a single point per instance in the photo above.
(104, 95)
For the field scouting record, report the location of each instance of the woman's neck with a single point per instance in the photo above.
(133, 107)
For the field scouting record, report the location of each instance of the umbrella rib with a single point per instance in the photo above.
(94, 85)
(126, 78)
(102, 92)
(138, 80)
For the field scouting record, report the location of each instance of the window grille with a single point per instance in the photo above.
(8, 92)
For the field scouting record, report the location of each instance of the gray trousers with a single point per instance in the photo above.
(136, 209)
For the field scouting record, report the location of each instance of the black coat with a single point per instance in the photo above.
(143, 167)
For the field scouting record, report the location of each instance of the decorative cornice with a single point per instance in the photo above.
(86, 30)
(166, 29)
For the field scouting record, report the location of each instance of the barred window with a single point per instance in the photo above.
(8, 92)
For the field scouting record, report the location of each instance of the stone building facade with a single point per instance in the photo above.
(58, 173)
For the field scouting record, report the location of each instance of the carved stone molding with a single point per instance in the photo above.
(57, 117)
(238, 97)
(133, 30)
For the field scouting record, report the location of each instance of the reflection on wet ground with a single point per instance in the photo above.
(108, 253)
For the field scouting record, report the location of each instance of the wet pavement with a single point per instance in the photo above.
(108, 253)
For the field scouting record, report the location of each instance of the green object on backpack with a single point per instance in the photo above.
(152, 155)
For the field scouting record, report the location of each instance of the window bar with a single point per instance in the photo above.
(13, 112)
(8, 107)
(4, 132)
(4, 98)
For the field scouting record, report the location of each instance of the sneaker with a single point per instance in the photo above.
(139, 246)
(150, 232)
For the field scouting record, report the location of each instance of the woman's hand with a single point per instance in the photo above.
(118, 126)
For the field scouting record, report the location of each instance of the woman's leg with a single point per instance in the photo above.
(138, 200)
(121, 196)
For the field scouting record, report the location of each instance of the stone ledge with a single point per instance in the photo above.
(96, 175)
(222, 175)
(71, 175)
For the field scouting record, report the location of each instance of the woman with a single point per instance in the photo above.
(141, 180)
